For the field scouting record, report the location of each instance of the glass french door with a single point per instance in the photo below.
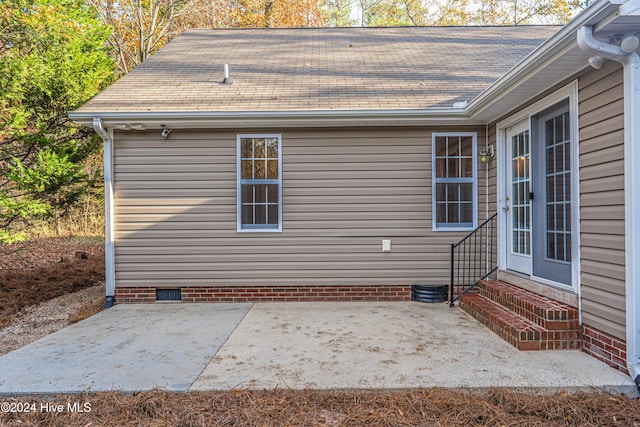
(552, 213)
(518, 204)
(538, 200)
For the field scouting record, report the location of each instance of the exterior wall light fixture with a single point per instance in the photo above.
(487, 154)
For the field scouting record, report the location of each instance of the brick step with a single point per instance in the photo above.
(547, 313)
(516, 330)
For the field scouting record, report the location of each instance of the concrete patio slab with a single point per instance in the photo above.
(388, 345)
(127, 347)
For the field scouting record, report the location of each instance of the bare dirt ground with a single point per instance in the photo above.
(44, 287)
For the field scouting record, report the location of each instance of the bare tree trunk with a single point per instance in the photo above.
(58, 226)
(85, 226)
(268, 13)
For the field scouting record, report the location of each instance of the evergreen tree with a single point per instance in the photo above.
(53, 58)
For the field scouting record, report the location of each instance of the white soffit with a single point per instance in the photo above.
(569, 63)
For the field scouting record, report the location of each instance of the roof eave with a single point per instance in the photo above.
(285, 118)
(543, 55)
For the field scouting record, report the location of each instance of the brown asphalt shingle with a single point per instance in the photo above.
(321, 69)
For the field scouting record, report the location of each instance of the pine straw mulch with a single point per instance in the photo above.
(48, 251)
(37, 271)
(428, 407)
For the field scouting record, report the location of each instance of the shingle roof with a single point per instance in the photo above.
(321, 69)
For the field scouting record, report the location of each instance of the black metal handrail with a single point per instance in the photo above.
(473, 258)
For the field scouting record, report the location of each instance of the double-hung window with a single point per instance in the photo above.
(259, 187)
(454, 181)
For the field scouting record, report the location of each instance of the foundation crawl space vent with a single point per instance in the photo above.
(168, 295)
(429, 293)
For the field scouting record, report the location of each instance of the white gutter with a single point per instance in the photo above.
(152, 120)
(107, 138)
(631, 64)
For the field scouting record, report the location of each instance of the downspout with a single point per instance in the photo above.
(108, 211)
(631, 64)
(486, 173)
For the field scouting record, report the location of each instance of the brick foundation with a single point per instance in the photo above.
(270, 294)
(604, 347)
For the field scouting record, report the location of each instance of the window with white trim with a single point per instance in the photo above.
(259, 192)
(454, 181)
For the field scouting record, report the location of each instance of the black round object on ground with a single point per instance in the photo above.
(430, 293)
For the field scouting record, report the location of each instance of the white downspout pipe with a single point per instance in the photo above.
(108, 211)
(631, 64)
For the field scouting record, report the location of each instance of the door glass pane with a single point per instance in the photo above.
(551, 224)
(558, 187)
(550, 159)
(559, 128)
(559, 158)
(560, 254)
(551, 245)
(520, 203)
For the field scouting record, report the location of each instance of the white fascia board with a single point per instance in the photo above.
(293, 118)
(543, 55)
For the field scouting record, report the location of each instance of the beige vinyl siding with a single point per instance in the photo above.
(493, 170)
(602, 199)
(344, 190)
